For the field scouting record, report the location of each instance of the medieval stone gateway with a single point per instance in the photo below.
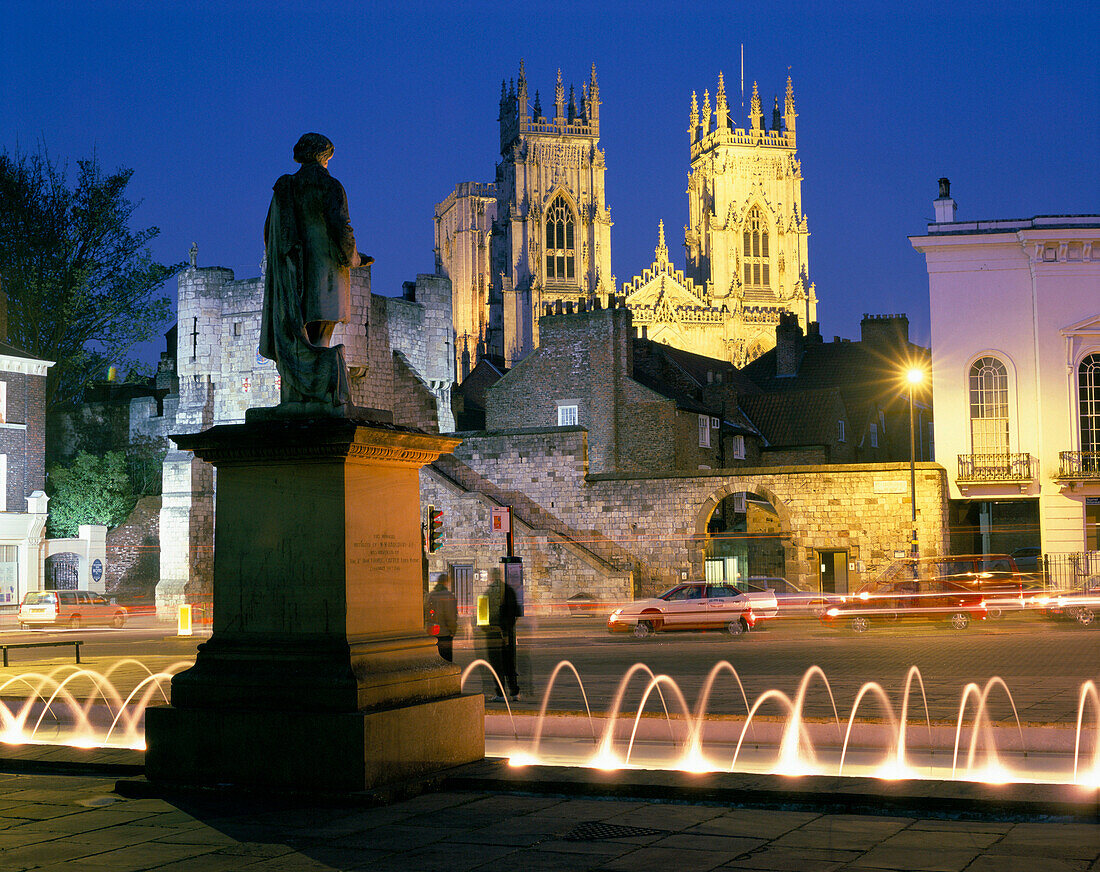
(614, 536)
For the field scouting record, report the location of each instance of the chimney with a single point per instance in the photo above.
(813, 333)
(885, 331)
(788, 345)
(944, 205)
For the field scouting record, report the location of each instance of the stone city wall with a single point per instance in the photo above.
(653, 528)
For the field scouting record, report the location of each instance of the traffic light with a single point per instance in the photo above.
(435, 529)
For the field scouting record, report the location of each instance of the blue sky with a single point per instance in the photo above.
(204, 101)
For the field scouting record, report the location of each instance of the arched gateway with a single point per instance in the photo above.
(613, 536)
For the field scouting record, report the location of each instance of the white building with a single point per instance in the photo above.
(1015, 309)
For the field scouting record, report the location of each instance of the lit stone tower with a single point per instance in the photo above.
(746, 238)
(551, 239)
(463, 229)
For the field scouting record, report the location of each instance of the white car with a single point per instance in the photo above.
(694, 605)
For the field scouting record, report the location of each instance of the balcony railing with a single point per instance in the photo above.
(995, 467)
(1080, 465)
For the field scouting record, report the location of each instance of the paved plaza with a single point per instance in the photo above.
(75, 822)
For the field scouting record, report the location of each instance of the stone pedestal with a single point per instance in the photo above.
(318, 674)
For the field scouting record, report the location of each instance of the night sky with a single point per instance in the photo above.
(205, 101)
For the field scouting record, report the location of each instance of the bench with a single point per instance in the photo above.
(75, 643)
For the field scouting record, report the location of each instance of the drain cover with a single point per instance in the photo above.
(592, 831)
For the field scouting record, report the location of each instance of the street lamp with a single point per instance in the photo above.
(914, 377)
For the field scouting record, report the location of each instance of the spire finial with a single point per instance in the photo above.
(538, 106)
(775, 115)
(789, 114)
(721, 108)
(693, 117)
(706, 112)
(661, 252)
(572, 104)
(559, 98)
(754, 111)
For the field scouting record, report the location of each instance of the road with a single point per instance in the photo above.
(1042, 663)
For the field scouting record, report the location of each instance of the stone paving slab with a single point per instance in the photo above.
(506, 828)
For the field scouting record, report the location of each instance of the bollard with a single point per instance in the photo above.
(184, 621)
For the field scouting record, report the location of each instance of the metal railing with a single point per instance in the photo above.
(1069, 571)
(995, 467)
(1079, 464)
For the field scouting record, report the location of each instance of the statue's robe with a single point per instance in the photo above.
(310, 252)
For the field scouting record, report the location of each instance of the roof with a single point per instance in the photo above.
(13, 351)
(794, 417)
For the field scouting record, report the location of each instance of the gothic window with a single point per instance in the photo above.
(1088, 385)
(989, 406)
(756, 259)
(561, 253)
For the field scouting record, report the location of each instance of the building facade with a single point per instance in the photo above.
(541, 232)
(1015, 309)
(22, 469)
(400, 357)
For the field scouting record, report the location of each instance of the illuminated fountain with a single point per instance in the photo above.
(878, 737)
(880, 741)
(81, 707)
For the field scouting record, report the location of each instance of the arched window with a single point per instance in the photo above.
(1088, 392)
(561, 255)
(755, 258)
(989, 406)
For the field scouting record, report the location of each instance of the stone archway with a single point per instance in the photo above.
(752, 536)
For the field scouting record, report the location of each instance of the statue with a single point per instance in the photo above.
(309, 249)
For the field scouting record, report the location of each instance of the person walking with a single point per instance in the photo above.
(443, 616)
(509, 612)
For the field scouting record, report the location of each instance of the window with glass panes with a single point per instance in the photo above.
(560, 249)
(1088, 392)
(989, 406)
(755, 255)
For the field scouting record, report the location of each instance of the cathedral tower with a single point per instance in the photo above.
(746, 238)
(551, 238)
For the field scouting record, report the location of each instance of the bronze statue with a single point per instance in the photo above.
(307, 288)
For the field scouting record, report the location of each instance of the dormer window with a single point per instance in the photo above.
(561, 254)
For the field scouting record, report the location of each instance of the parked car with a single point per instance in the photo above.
(1081, 604)
(72, 608)
(994, 576)
(791, 600)
(1027, 559)
(928, 600)
(696, 605)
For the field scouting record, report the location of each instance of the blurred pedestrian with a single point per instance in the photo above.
(443, 616)
(509, 612)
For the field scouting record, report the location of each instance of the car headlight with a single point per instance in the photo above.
(616, 614)
(832, 613)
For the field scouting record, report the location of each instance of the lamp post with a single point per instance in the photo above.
(914, 377)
